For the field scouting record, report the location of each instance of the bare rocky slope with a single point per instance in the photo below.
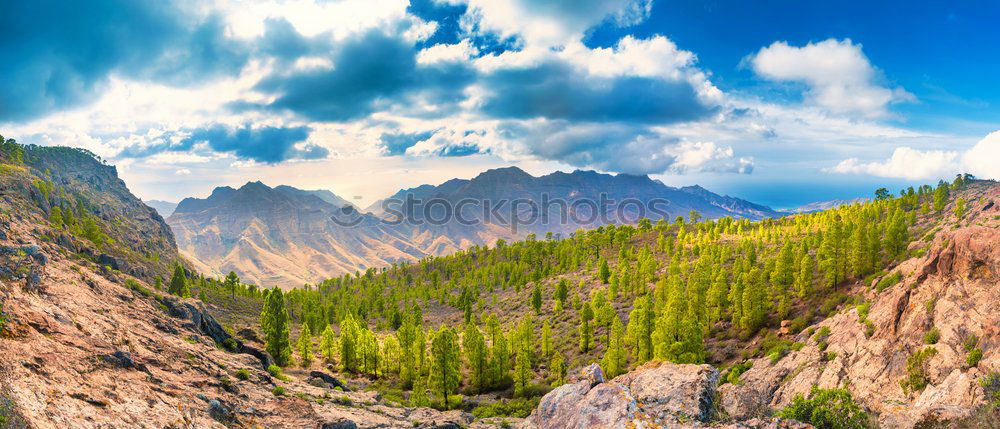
(87, 342)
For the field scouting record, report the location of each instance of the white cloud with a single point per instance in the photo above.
(183, 172)
(460, 51)
(549, 23)
(981, 160)
(905, 162)
(839, 76)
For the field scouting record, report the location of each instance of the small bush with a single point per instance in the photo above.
(888, 281)
(230, 345)
(827, 409)
(343, 400)
(916, 370)
(863, 309)
(975, 355)
(733, 376)
(243, 375)
(830, 356)
(822, 334)
(970, 342)
(932, 336)
(276, 372)
(991, 388)
(517, 407)
(869, 328)
(278, 391)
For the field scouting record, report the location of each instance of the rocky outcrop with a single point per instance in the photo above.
(84, 351)
(655, 395)
(200, 320)
(952, 288)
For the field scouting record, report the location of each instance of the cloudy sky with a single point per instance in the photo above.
(783, 102)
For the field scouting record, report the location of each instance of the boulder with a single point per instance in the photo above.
(652, 396)
(329, 379)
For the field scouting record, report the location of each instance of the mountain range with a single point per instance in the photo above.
(286, 236)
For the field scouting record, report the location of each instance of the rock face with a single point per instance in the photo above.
(954, 288)
(655, 395)
(132, 238)
(647, 397)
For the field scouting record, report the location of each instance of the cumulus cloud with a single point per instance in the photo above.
(981, 160)
(619, 147)
(838, 75)
(265, 144)
(549, 23)
(905, 162)
(60, 55)
(371, 71)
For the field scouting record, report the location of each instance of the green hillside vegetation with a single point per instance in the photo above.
(517, 316)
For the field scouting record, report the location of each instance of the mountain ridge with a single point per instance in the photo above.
(258, 231)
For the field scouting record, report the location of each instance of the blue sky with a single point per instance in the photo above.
(781, 102)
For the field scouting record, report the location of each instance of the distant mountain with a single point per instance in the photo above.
(164, 208)
(287, 236)
(827, 205)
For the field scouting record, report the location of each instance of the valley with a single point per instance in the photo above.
(721, 321)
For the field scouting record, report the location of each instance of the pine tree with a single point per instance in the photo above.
(562, 290)
(328, 343)
(178, 283)
(274, 323)
(558, 370)
(474, 346)
(754, 304)
(586, 331)
(418, 397)
(349, 332)
(522, 373)
(613, 363)
(546, 341)
(804, 277)
(445, 360)
(536, 298)
(604, 272)
(305, 346)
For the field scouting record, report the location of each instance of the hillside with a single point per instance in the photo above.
(719, 323)
(749, 298)
(285, 236)
(85, 345)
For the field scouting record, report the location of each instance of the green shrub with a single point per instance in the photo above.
(243, 375)
(863, 309)
(138, 288)
(869, 328)
(822, 334)
(932, 336)
(888, 281)
(517, 407)
(733, 376)
(827, 409)
(970, 342)
(276, 372)
(991, 388)
(916, 370)
(343, 400)
(230, 345)
(830, 356)
(975, 355)
(278, 391)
